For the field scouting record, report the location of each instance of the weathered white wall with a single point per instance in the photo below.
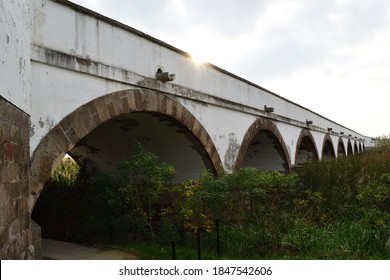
(226, 127)
(58, 92)
(15, 34)
(91, 56)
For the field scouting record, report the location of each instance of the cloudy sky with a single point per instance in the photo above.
(331, 56)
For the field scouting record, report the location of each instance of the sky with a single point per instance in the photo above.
(332, 57)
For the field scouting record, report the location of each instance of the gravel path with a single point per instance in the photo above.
(58, 250)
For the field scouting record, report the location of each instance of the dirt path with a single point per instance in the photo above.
(58, 250)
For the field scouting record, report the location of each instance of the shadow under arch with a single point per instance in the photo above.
(328, 152)
(341, 152)
(75, 126)
(356, 149)
(306, 149)
(349, 148)
(269, 128)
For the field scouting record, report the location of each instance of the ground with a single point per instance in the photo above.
(58, 250)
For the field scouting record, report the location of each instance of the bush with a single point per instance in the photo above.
(143, 184)
(328, 210)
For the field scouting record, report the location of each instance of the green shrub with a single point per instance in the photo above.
(328, 210)
(143, 184)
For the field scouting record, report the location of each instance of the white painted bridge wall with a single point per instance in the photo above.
(122, 58)
(15, 37)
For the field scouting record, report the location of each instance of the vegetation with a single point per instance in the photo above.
(326, 210)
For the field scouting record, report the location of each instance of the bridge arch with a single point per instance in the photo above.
(341, 152)
(306, 150)
(355, 148)
(263, 147)
(78, 124)
(349, 148)
(328, 152)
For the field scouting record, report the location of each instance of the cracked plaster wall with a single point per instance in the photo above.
(15, 36)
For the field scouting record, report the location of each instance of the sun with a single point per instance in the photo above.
(199, 58)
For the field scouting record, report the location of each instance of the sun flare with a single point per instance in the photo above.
(199, 58)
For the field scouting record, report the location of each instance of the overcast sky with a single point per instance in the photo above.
(332, 56)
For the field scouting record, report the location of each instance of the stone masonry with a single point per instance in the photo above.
(15, 235)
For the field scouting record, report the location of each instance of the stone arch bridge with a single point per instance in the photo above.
(92, 87)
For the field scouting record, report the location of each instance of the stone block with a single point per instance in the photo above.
(49, 146)
(8, 150)
(3, 197)
(18, 152)
(94, 115)
(23, 245)
(10, 212)
(25, 122)
(5, 131)
(1, 153)
(15, 133)
(41, 165)
(138, 100)
(131, 101)
(13, 190)
(116, 101)
(179, 113)
(35, 189)
(25, 170)
(125, 104)
(25, 189)
(15, 228)
(68, 130)
(102, 110)
(4, 171)
(22, 206)
(111, 110)
(36, 240)
(58, 136)
(3, 235)
(85, 117)
(73, 127)
(13, 172)
(5, 109)
(2, 222)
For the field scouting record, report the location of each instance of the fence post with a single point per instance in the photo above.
(218, 240)
(198, 243)
(173, 250)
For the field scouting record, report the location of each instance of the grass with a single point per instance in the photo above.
(145, 251)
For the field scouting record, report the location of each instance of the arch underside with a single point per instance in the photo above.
(306, 149)
(341, 149)
(138, 114)
(350, 151)
(173, 143)
(328, 150)
(263, 147)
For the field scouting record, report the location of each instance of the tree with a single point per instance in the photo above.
(143, 182)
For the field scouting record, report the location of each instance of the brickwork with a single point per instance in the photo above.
(15, 233)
